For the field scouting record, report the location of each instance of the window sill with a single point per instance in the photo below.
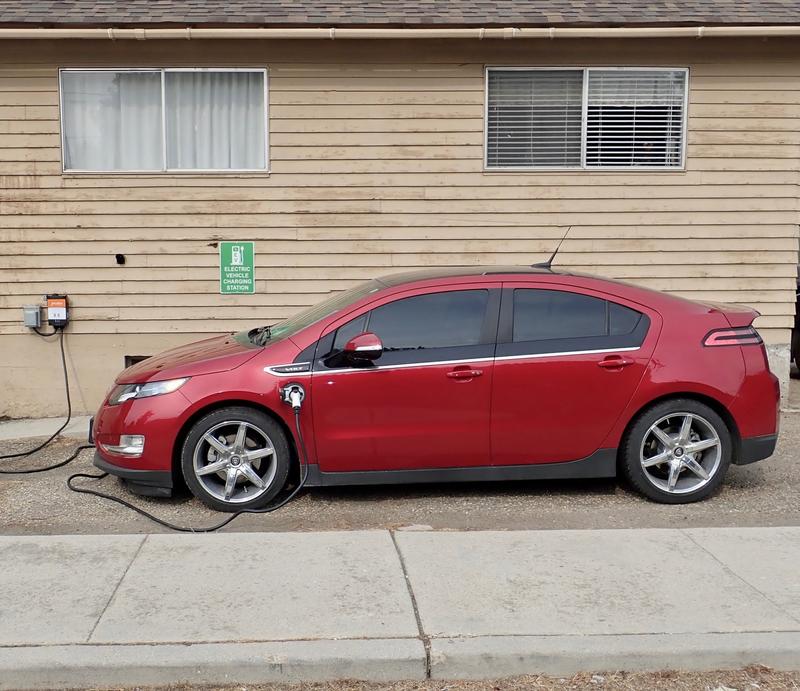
(140, 175)
(570, 171)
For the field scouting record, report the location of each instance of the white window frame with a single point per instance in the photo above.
(584, 116)
(165, 170)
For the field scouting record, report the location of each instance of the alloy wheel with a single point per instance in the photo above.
(235, 461)
(680, 453)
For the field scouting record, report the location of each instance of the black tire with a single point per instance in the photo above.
(261, 433)
(644, 480)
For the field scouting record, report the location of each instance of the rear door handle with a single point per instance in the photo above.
(465, 373)
(615, 362)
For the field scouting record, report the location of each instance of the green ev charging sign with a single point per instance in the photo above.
(237, 274)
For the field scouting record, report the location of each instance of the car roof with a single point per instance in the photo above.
(393, 280)
(646, 296)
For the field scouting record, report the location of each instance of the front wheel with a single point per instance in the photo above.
(677, 452)
(235, 458)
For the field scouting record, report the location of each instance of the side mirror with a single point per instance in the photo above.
(365, 346)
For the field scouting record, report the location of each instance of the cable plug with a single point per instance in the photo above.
(293, 394)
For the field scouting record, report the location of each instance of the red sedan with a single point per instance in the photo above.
(453, 375)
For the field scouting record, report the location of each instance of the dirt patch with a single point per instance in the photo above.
(749, 679)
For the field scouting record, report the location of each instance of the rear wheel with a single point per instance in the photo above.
(677, 452)
(235, 458)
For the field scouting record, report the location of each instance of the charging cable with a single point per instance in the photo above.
(60, 464)
(293, 395)
(30, 452)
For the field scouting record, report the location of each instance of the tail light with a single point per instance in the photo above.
(740, 335)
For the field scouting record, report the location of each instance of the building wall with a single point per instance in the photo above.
(376, 166)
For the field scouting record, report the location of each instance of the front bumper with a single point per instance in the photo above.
(756, 449)
(147, 483)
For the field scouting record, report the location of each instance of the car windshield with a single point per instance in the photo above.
(299, 321)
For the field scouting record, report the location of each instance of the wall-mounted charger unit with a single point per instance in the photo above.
(57, 310)
(32, 316)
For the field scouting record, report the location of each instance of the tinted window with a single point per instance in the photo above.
(298, 322)
(439, 320)
(622, 320)
(347, 331)
(541, 315)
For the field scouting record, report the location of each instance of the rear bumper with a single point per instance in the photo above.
(148, 483)
(756, 449)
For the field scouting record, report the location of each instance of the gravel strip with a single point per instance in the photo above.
(750, 679)
(761, 494)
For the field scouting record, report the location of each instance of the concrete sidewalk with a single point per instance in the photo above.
(78, 428)
(259, 607)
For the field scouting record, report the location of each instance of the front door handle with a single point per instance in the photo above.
(465, 373)
(614, 362)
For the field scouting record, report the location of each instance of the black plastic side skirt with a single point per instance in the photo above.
(602, 463)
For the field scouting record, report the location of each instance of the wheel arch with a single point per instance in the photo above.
(713, 403)
(177, 477)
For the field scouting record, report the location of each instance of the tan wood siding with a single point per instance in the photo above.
(376, 166)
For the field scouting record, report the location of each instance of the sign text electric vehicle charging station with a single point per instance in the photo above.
(237, 268)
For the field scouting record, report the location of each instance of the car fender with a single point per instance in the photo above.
(650, 391)
(266, 397)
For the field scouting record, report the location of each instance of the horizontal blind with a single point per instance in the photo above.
(635, 118)
(534, 118)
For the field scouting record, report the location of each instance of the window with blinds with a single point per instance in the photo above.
(585, 118)
(534, 118)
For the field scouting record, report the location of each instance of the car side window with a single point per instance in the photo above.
(437, 320)
(540, 315)
(347, 331)
(557, 321)
(423, 328)
(621, 319)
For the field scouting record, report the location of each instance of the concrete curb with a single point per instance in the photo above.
(483, 657)
(487, 657)
(71, 666)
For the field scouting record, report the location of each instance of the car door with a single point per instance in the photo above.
(425, 402)
(568, 361)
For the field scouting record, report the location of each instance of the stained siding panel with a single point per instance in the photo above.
(377, 166)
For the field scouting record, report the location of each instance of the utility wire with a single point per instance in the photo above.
(23, 454)
(59, 464)
(123, 502)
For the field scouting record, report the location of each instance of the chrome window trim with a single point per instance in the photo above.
(627, 349)
(534, 356)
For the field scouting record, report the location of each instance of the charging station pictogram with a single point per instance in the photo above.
(237, 268)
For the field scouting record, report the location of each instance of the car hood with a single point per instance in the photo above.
(217, 354)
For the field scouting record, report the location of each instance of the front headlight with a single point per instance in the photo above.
(125, 392)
